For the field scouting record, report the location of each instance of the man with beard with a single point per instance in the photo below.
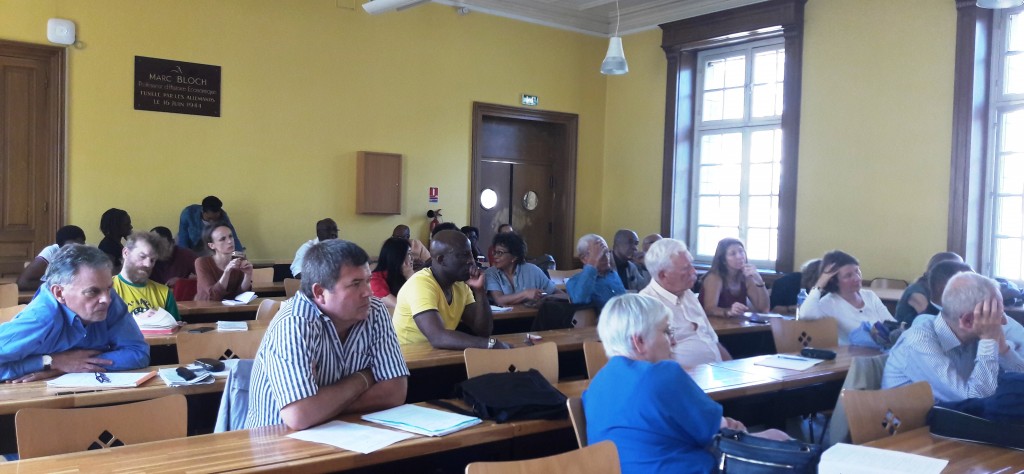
(142, 295)
(436, 299)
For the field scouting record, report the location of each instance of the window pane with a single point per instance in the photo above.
(1016, 32)
(760, 180)
(733, 107)
(1014, 73)
(718, 211)
(1008, 259)
(1011, 174)
(714, 74)
(708, 238)
(766, 146)
(1012, 132)
(712, 106)
(759, 212)
(1008, 216)
(735, 71)
(778, 99)
(765, 66)
(763, 101)
(709, 180)
(758, 244)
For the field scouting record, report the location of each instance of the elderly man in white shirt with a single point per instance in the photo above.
(961, 351)
(672, 277)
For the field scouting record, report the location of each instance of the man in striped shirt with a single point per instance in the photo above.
(331, 349)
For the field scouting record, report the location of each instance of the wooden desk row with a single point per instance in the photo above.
(963, 456)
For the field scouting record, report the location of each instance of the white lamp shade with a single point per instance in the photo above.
(615, 60)
(1000, 3)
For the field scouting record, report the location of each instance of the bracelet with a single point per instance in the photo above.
(365, 381)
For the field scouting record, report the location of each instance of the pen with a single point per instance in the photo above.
(801, 359)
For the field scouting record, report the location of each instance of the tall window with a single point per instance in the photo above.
(738, 149)
(1004, 255)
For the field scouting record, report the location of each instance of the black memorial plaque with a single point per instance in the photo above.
(178, 87)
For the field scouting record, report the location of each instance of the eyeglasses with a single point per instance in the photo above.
(500, 253)
(102, 378)
(670, 332)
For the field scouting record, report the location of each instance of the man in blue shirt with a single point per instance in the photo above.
(597, 283)
(76, 323)
(196, 217)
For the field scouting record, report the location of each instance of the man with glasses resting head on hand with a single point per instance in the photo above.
(76, 323)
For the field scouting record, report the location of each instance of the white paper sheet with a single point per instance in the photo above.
(790, 362)
(851, 459)
(422, 420)
(89, 380)
(350, 436)
(232, 326)
(500, 309)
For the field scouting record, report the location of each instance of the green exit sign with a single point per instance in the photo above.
(530, 100)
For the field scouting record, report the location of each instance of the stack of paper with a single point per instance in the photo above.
(232, 326)
(241, 299)
(172, 379)
(421, 420)
(500, 309)
(159, 322)
(847, 458)
(791, 362)
(350, 436)
(100, 380)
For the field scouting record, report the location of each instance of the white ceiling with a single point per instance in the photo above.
(597, 17)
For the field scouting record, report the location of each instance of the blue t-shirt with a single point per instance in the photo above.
(657, 416)
(527, 276)
(588, 286)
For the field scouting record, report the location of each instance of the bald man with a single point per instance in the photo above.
(436, 299)
(420, 254)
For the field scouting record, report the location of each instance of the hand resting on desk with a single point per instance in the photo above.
(78, 360)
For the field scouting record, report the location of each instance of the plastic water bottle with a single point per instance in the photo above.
(800, 297)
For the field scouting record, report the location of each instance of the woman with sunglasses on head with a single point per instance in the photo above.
(839, 294)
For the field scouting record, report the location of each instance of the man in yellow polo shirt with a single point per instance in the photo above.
(142, 295)
(433, 302)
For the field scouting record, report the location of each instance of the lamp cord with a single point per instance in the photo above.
(617, 17)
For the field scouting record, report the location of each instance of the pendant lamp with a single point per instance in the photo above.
(614, 63)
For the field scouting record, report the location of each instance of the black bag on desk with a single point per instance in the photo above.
(511, 396)
(556, 314)
(737, 452)
(996, 420)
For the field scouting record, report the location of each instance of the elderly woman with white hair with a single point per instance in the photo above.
(596, 283)
(658, 417)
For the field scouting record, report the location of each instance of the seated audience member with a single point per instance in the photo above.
(658, 417)
(142, 295)
(76, 323)
(436, 299)
(513, 280)
(177, 263)
(326, 229)
(224, 274)
(597, 282)
(624, 250)
(838, 294)
(420, 254)
(645, 245)
(115, 224)
(938, 277)
(31, 278)
(732, 286)
(695, 340)
(502, 229)
(330, 350)
(443, 226)
(916, 298)
(194, 219)
(394, 268)
(473, 234)
(787, 287)
(961, 351)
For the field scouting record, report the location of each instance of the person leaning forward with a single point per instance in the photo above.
(77, 323)
(436, 299)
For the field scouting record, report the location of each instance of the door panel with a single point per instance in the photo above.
(534, 226)
(496, 176)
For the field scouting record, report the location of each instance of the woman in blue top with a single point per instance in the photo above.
(643, 401)
(511, 280)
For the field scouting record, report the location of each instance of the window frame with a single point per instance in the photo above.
(682, 41)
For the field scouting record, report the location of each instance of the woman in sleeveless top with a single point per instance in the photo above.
(732, 286)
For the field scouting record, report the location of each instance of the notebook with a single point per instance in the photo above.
(100, 380)
(422, 420)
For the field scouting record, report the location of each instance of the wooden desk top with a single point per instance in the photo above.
(728, 326)
(14, 397)
(275, 288)
(422, 355)
(188, 308)
(888, 295)
(963, 456)
(171, 339)
(828, 370)
(25, 296)
(518, 312)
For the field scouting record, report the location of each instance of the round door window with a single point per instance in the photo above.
(488, 199)
(530, 200)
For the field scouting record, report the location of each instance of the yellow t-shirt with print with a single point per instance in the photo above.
(142, 298)
(422, 293)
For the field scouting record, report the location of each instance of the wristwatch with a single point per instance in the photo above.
(47, 362)
(491, 342)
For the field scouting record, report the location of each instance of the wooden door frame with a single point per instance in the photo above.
(56, 96)
(564, 165)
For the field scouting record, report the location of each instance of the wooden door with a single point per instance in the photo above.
(31, 151)
(518, 150)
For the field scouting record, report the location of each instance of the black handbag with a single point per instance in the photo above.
(737, 452)
(508, 396)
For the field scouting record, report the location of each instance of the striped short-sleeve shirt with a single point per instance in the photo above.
(301, 352)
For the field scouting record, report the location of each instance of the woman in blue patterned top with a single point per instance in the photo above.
(511, 280)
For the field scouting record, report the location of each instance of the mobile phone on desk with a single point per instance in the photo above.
(200, 330)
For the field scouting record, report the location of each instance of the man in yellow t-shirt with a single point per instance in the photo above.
(142, 295)
(433, 302)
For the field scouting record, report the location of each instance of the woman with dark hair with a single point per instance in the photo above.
(838, 294)
(916, 298)
(226, 273)
(511, 279)
(394, 267)
(115, 224)
(732, 286)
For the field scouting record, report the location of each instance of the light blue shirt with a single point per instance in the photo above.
(589, 287)
(526, 276)
(929, 351)
(191, 225)
(47, 327)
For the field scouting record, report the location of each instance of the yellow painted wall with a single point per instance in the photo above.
(874, 136)
(305, 87)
